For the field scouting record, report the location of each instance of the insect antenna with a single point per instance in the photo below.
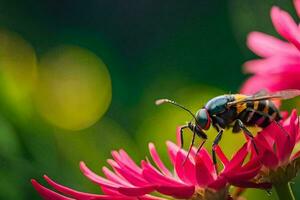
(162, 101)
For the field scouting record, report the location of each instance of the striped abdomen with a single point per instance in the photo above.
(260, 113)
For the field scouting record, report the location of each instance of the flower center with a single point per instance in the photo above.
(210, 194)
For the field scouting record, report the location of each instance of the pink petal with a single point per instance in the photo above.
(150, 197)
(257, 83)
(193, 152)
(125, 189)
(172, 151)
(266, 45)
(71, 192)
(264, 141)
(184, 192)
(129, 162)
(205, 156)
(116, 167)
(276, 82)
(237, 159)
(296, 155)
(274, 65)
(244, 174)
(97, 179)
(157, 160)
(115, 194)
(253, 163)
(185, 171)
(153, 175)
(221, 155)
(48, 194)
(285, 26)
(282, 141)
(136, 191)
(132, 175)
(269, 159)
(266, 149)
(297, 6)
(133, 178)
(167, 185)
(109, 191)
(219, 183)
(203, 175)
(115, 178)
(292, 127)
(110, 197)
(284, 114)
(124, 160)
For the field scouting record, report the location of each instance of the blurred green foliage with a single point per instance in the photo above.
(64, 63)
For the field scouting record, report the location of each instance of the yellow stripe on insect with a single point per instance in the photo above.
(255, 106)
(239, 97)
(266, 109)
(240, 106)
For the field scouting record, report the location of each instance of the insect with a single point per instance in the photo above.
(236, 111)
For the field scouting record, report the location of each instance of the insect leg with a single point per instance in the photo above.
(199, 133)
(215, 143)
(181, 134)
(248, 133)
(236, 127)
(201, 145)
(191, 146)
(202, 135)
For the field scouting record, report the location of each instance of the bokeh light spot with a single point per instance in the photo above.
(74, 88)
(18, 72)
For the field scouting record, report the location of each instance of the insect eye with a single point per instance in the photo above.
(203, 119)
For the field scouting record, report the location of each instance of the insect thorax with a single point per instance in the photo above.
(218, 104)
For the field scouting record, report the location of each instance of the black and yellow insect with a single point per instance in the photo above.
(234, 110)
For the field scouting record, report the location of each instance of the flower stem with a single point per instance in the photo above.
(284, 191)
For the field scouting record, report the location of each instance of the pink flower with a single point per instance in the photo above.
(125, 183)
(196, 177)
(279, 67)
(276, 145)
(198, 174)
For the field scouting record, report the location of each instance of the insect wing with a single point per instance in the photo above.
(284, 94)
(261, 93)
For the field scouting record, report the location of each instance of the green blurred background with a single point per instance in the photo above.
(79, 79)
